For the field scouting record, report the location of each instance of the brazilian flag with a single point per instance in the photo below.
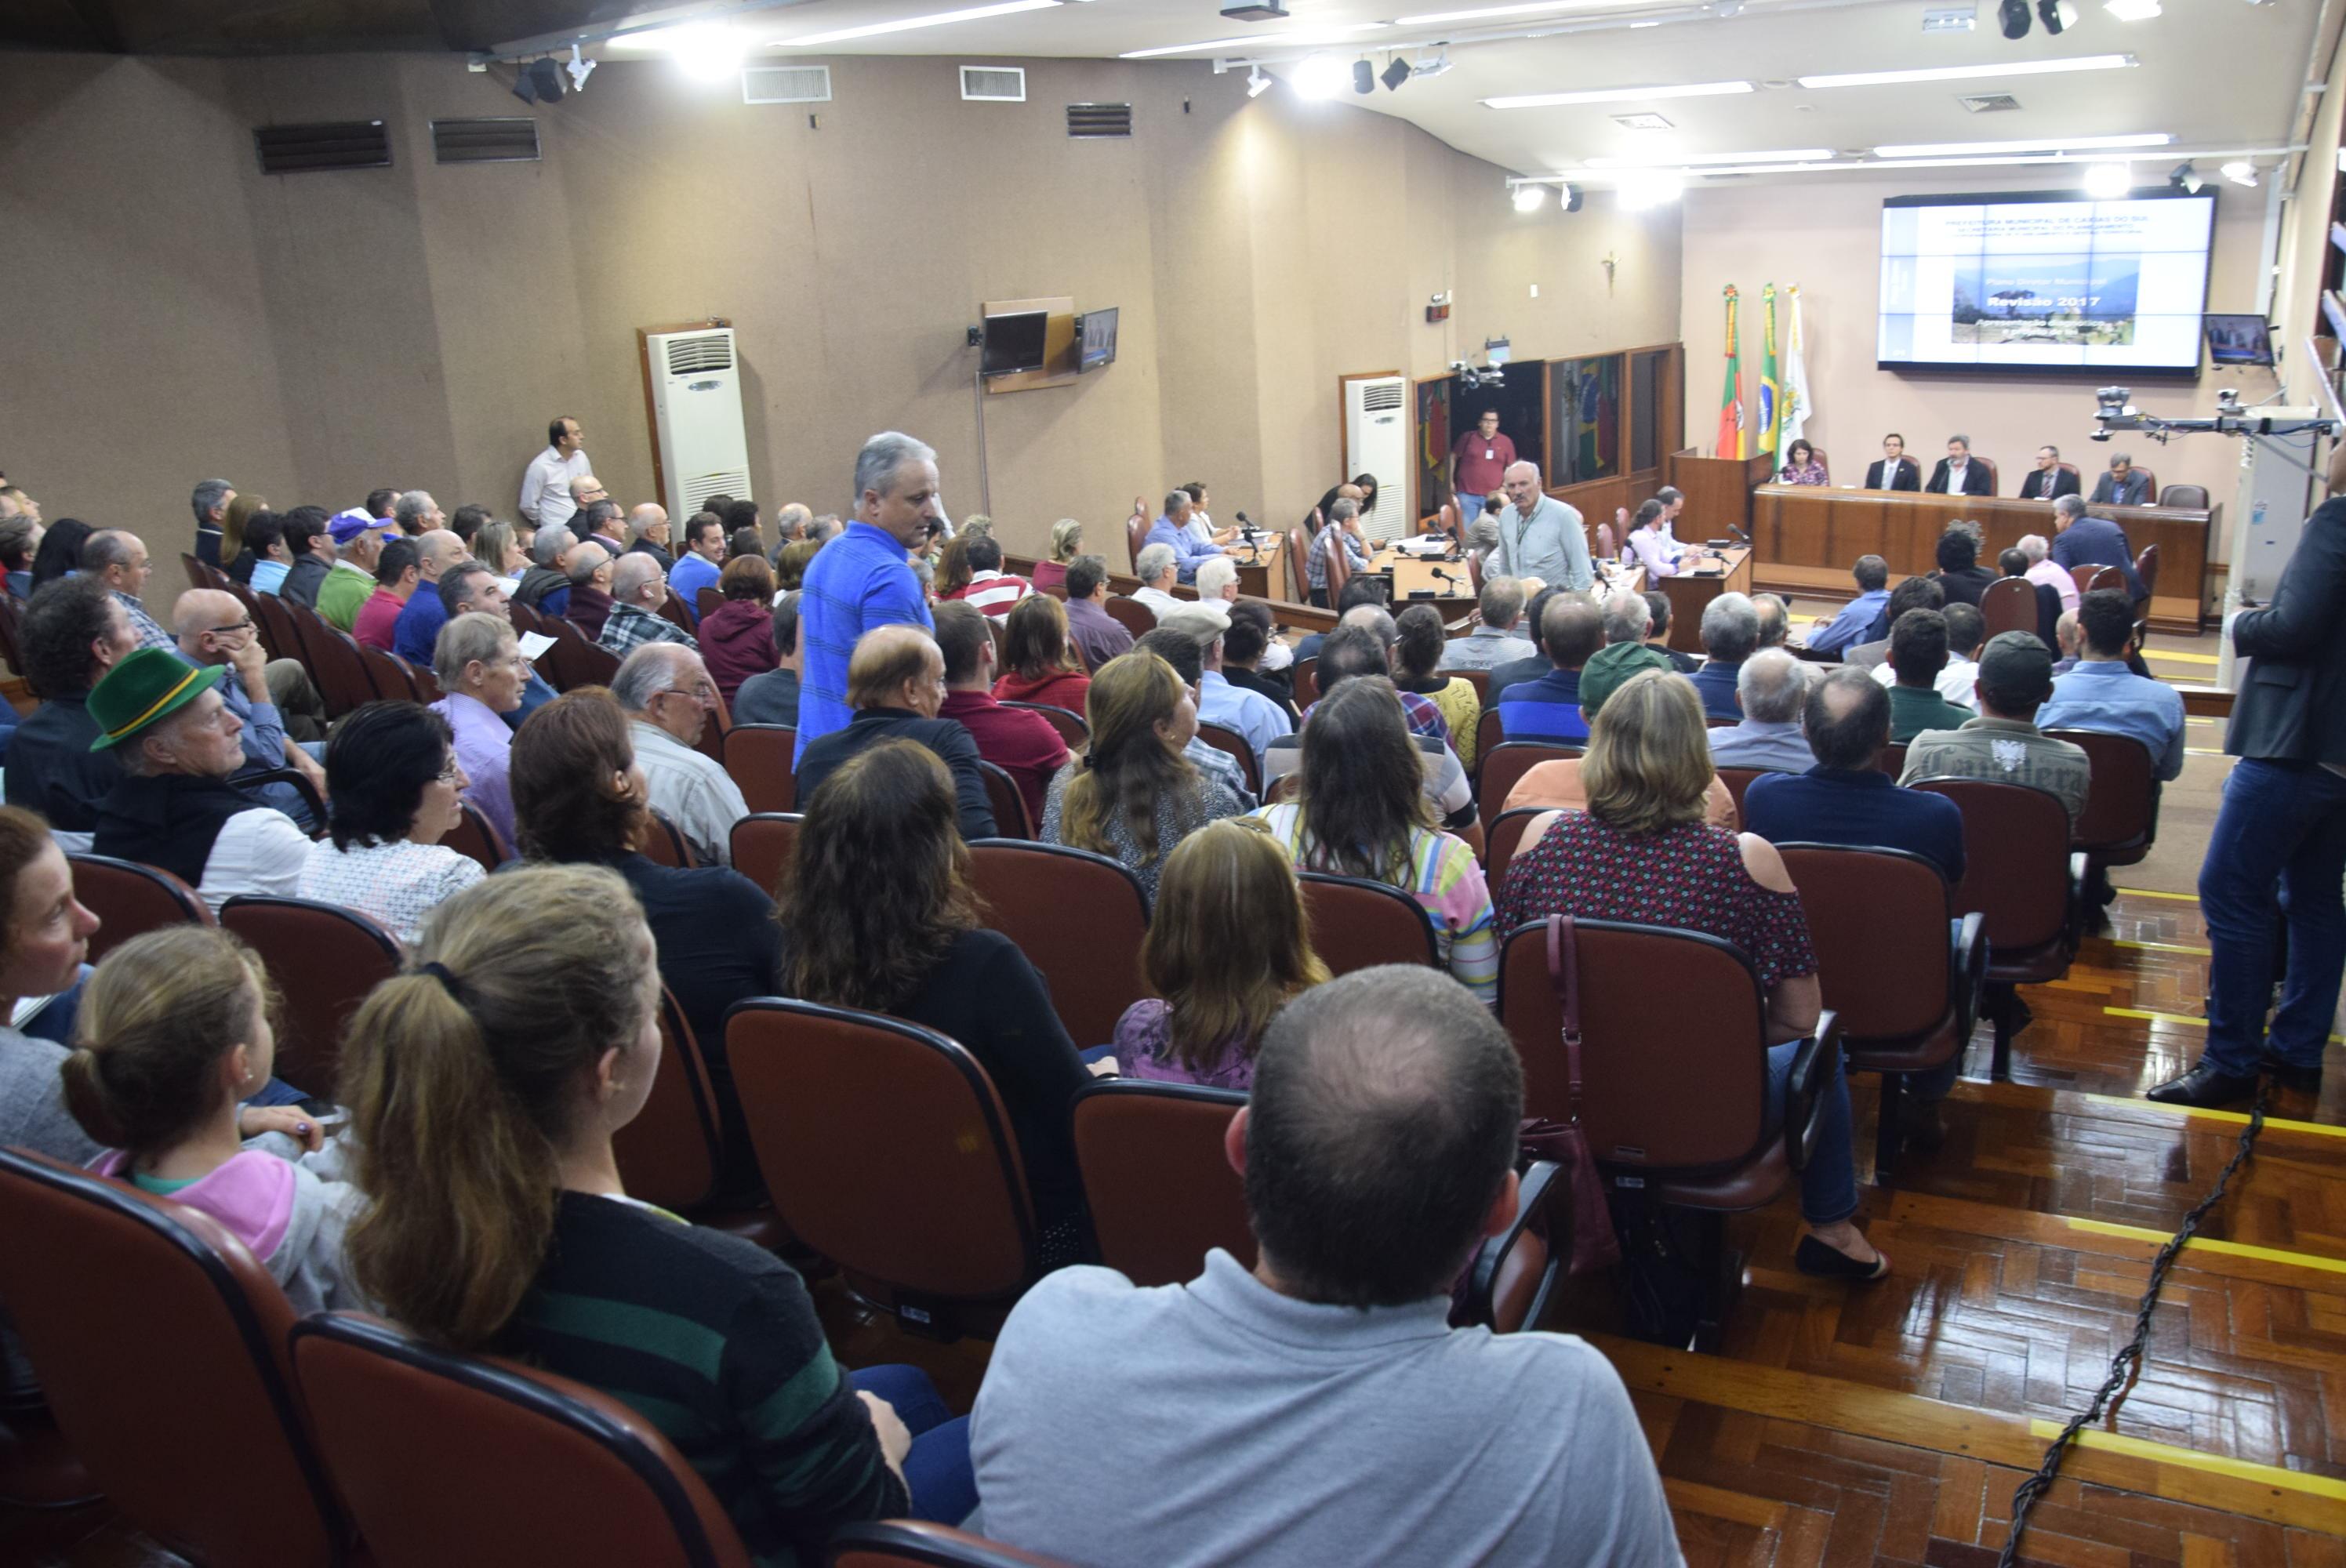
(1767, 393)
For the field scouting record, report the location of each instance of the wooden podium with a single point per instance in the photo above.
(1690, 592)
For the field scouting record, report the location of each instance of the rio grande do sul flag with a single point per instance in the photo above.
(1730, 397)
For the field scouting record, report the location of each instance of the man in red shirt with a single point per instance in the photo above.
(1478, 464)
(1022, 744)
(395, 576)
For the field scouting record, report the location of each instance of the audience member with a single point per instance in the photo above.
(648, 535)
(1958, 679)
(397, 571)
(702, 561)
(546, 587)
(1642, 852)
(1066, 544)
(1846, 799)
(1038, 659)
(1023, 745)
(416, 629)
(481, 674)
(866, 582)
(589, 607)
(773, 697)
(215, 628)
(1097, 635)
(1358, 593)
(175, 1031)
(1494, 638)
(1342, 532)
(1547, 711)
(1378, 1151)
(309, 541)
(1917, 593)
(1731, 634)
(1872, 574)
(416, 513)
(1218, 581)
(74, 632)
(20, 541)
(950, 577)
(58, 555)
(174, 805)
(546, 483)
(1245, 648)
(45, 933)
(1558, 784)
(395, 787)
(2003, 745)
(1217, 981)
(470, 586)
(1625, 617)
(791, 564)
(2013, 562)
(1356, 650)
(2101, 694)
(2043, 571)
(1657, 634)
(359, 542)
(1417, 653)
(1772, 687)
(639, 592)
(118, 558)
(597, 517)
(211, 501)
(737, 639)
(1959, 575)
(1255, 718)
(233, 522)
(1179, 649)
(2069, 639)
(381, 503)
(504, 549)
(467, 522)
(1156, 567)
(2082, 540)
(990, 589)
(895, 688)
(264, 560)
(1918, 657)
(790, 523)
(1775, 619)
(666, 694)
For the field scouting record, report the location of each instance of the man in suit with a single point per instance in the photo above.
(2048, 479)
(2122, 486)
(1896, 471)
(2086, 542)
(2279, 841)
(1957, 474)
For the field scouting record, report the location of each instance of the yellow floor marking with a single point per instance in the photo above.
(2203, 1244)
(2271, 1475)
(2154, 894)
(2238, 1118)
(2165, 947)
(2184, 1018)
(2180, 657)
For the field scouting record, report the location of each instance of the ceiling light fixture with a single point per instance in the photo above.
(941, 18)
(2050, 144)
(1708, 170)
(1429, 66)
(1672, 161)
(2012, 16)
(1253, 40)
(2107, 181)
(1530, 197)
(1968, 73)
(1617, 94)
(2241, 172)
(2058, 16)
(1364, 77)
(1319, 76)
(1482, 13)
(2185, 179)
(2132, 10)
(1640, 190)
(1258, 82)
(1395, 74)
(704, 52)
(580, 68)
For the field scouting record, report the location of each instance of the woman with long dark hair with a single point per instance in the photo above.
(60, 552)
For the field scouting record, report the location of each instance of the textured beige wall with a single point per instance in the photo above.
(173, 313)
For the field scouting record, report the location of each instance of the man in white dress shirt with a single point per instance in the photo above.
(545, 497)
(666, 691)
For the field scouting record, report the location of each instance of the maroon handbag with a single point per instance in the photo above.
(1594, 1244)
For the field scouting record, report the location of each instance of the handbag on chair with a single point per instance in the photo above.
(1594, 1244)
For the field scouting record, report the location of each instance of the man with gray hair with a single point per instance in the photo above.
(791, 523)
(417, 629)
(416, 513)
(1626, 615)
(471, 588)
(1731, 634)
(1217, 580)
(2036, 549)
(2082, 540)
(210, 503)
(118, 557)
(648, 535)
(637, 591)
(864, 580)
(669, 699)
(1772, 685)
(590, 589)
(1341, 530)
(1775, 619)
(1172, 531)
(1494, 639)
(546, 587)
(1540, 536)
(1157, 566)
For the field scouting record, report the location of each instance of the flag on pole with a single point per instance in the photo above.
(1767, 399)
(1730, 398)
(1796, 376)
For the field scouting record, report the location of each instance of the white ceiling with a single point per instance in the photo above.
(2215, 74)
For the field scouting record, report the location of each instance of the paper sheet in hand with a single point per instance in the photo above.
(534, 644)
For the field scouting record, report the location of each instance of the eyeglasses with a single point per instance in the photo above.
(243, 626)
(450, 769)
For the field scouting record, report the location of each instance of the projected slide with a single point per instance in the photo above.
(2024, 282)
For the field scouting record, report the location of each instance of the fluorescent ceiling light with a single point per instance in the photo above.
(1671, 161)
(1644, 188)
(2048, 143)
(2132, 10)
(1968, 73)
(973, 14)
(1320, 77)
(1433, 18)
(1252, 40)
(1708, 170)
(2109, 181)
(1618, 95)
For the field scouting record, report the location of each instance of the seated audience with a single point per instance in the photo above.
(396, 790)
(1378, 1151)
(2069, 639)
(174, 1031)
(1066, 544)
(503, 548)
(1846, 799)
(702, 560)
(438, 552)
(1155, 569)
(1179, 648)
(1417, 656)
(1775, 619)
(1040, 661)
(1916, 593)
(249, 550)
(1357, 812)
(1959, 575)
(1022, 744)
(1959, 676)
(1559, 783)
(20, 539)
(2003, 745)
(1097, 635)
(2013, 563)
(648, 535)
(173, 807)
(1872, 574)
(2101, 694)
(990, 589)
(45, 933)
(1355, 650)
(590, 589)
(1641, 852)
(58, 555)
(878, 913)
(896, 687)
(1135, 795)
(478, 664)
(1548, 709)
(546, 587)
(670, 701)
(737, 639)
(1217, 979)
(1771, 688)
(397, 570)
(2045, 572)
(469, 586)
(1658, 634)
(483, 1119)
(359, 539)
(73, 632)
(1254, 718)
(1801, 465)
(792, 521)
(269, 697)
(1340, 532)
(791, 564)
(953, 569)
(1245, 648)
(118, 558)
(1495, 637)
(1425, 715)
(1217, 580)
(309, 541)
(1731, 634)
(1918, 657)
(1624, 616)
(1358, 593)
(773, 697)
(639, 592)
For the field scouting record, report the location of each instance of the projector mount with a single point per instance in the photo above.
(2113, 413)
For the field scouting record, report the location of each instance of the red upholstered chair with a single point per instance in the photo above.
(448, 1459)
(1892, 759)
(674, 611)
(2146, 565)
(1514, 1274)
(2187, 497)
(1306, 678)
(1298, 545)
(1071, 728)
(2102, 577)
(1232, 744)
(1131, 615)
(1010, 818)
(1995, 480)
(708, 601)
(1606, 549)
(2120, 822)
(1136, 533)
(1739, 780)
(161, 1351)
(1503, 766)
(277, 628)
(763, 845)
(335, 664)
(1340, 569)
(910, 1543)
(197, 576)
(1161, 1190)
(1359, 924)
(578, 662)
(2150, 486)
(674, 1153)
(1506, 838)
(324, 958)
(1079, 917)
(477, 839)
(1489, 732)
(664, 844)
(758, 757)
(130, 898)
(388, 674)
(2009, 604)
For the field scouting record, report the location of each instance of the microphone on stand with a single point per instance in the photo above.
(1737, 529)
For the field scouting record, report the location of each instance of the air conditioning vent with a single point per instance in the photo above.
(700, 351)
(994, 83)
(506, 140)
(786, 85)
(1988, 102)
(1380, 396)
(1099, 119)
(346, 144)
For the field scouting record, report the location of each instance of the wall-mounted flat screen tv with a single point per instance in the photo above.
(1013, 343)
(1095, 338)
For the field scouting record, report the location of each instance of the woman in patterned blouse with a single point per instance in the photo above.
(1642, 853)
(1800, 466)
(394, 787)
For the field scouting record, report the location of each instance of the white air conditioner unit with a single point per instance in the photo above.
(696, 430)
(1376, 441)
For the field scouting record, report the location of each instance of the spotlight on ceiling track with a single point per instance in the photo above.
(2185, 179)
(1318, 76)
(2012, 15)
(2240, 172)
(2058, 16)
(1258, 82)
(2109, 181)
(1364, 77)
(1530, 197)
(1395, 74)
(1428, 66)
(580, 68)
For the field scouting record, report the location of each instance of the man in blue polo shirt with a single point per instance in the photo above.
(864, 578)
(1848, 627)
(1173, 529)
(1548, 709)
(1845, 799)
(2102, 695)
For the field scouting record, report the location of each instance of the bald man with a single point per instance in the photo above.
(638, 589)
(895, 685)
(647, 532)
(590, 589)
(215, 628)
(438, 551)
(1540, 537)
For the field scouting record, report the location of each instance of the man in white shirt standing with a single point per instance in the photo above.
(545, 486)
(666, 691)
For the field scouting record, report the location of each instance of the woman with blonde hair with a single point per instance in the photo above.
(1066, 544)
(1642, 853)
(1133, 795)
(1038, 659)
(485, 1083)
(1229, 946)
(953, 568)
(240, 513)
(791, 564)
(496, 548)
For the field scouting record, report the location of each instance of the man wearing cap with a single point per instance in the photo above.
(1233, 708)
(175, 807)
(2002, 745)
(358, 540)
(1557, 785)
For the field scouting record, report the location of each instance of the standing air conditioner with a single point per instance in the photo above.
(1376, 441)
(698, 436)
